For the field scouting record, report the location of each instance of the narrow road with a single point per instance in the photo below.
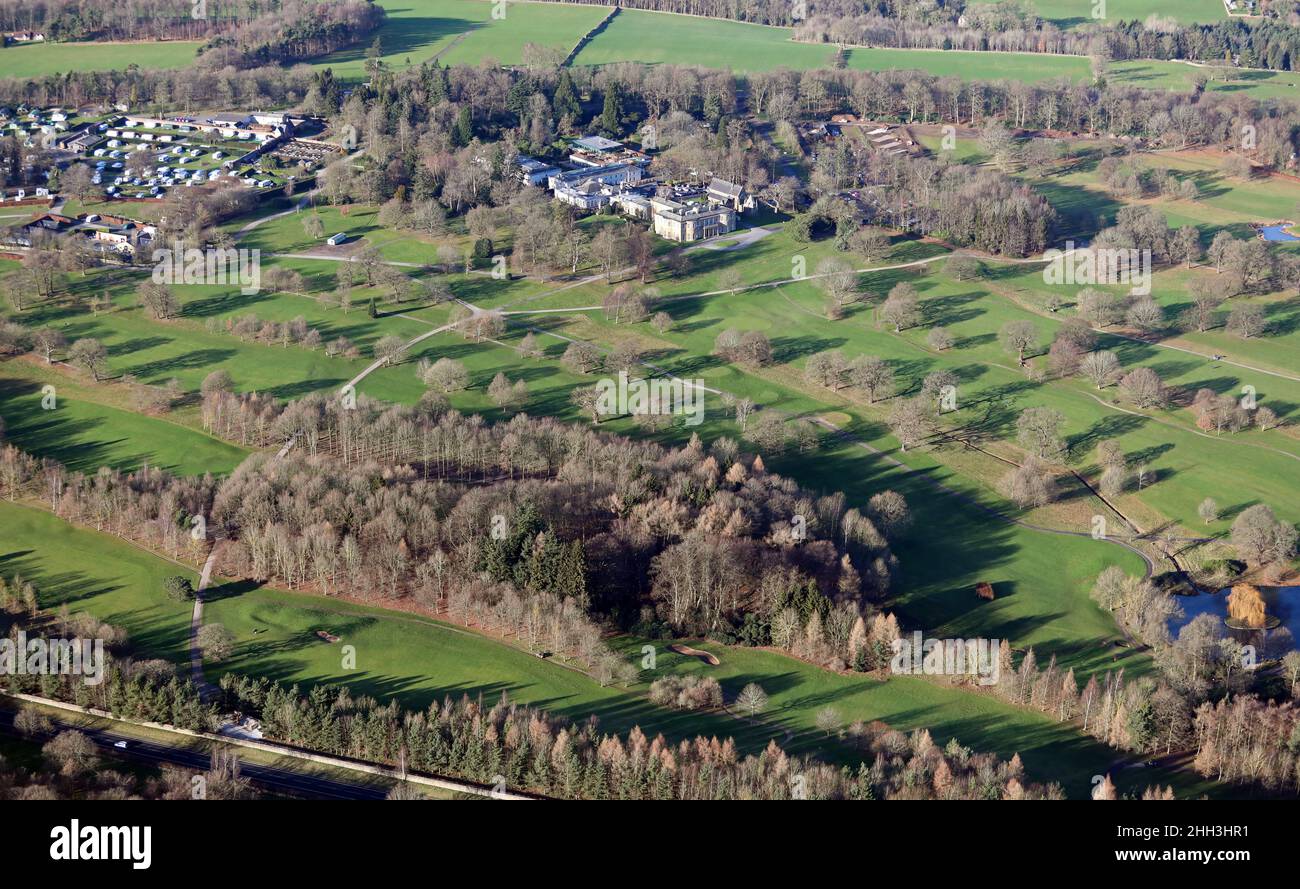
(270, 777)
(380, 362)
(303, 203)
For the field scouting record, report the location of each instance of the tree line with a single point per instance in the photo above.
(500, 744)
(520, 747)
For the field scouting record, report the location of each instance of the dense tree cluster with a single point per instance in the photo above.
(532, 751)
(243, 33)
(479, 519)
(142, 690)
(1250, 741)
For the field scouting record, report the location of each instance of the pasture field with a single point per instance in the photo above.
(550, 25)
(1073, 13)
(463, 32)
(40, 59)
(655, 37)
(745, 48)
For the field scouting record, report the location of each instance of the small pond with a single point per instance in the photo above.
(1282, 602)
(1277, 232)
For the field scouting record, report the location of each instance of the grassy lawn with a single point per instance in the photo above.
(39, 59)
(145, 211)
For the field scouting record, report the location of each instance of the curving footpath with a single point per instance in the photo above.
(207, 691)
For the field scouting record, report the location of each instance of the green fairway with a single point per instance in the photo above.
(1223, 202)
(96, 573)
(416, 660)
(84, 434)
(39, 59)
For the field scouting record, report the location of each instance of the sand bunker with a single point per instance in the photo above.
(710, 659)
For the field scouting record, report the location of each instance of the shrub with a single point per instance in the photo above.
(686, 693)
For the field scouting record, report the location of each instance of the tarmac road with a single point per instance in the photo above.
(281, 780)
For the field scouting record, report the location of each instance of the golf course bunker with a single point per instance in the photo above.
(710, 659)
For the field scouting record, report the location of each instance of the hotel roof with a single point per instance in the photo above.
(597, 143)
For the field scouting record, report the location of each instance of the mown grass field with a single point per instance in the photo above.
(84, 431)
(40, 59)
(465, 32)
(96, 573)
(639, 36)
